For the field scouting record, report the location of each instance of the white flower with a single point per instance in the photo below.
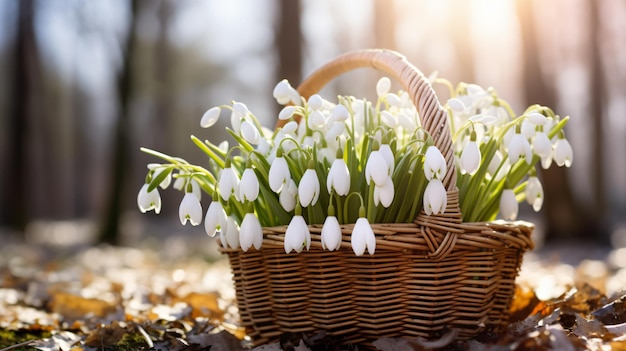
(338, 177)
(287, 197)
(215, 219)
(537, 118)
(250, 233)
(394, 100)
(316, 120)
(297, 235)
(385, 151)
(316, 102)
(434, 164)
(435, 197)
(147, 201)
(500, 165)
(389, 119)
(456, 105)
(508, 205)
(250, 133)
(157, 170)
(363, 237)
(331, 234)
(190, 209)
(519, 147)
(542, 145)
(335, 130)
(309, 188)
(383, 86)
(228, 183)
(534, 193)
(384, 194)
(376, 169)
(210, 117)
(284, 93)
(470, 158)
(229, 236)
(563, 154)
(546, 161)
(340, 113)
(279, 173)
(248, 186)
(240, 111)
(286, 112)
(528, 128)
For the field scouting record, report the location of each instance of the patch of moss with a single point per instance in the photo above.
(11, 337)
(131, 342)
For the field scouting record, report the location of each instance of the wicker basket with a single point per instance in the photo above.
(427, 278)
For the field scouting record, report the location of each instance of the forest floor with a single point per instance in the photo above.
(176, 293)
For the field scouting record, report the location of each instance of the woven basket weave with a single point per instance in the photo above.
(427, 278)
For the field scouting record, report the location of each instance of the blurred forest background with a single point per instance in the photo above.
(84, 84)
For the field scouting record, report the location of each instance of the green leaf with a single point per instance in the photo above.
(160, 177)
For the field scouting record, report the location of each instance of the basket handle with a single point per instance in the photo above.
(433, 117)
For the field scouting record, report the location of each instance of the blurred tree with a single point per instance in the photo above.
(26, 81)
(289, 42)
(109, 230)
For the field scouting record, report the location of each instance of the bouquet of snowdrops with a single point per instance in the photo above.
(358, 161)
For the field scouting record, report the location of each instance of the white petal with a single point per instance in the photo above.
(534, 193)
(519, 147)
(250, 232)
(290, 127)
(363, 237)
(190, 209)
(249, 185)
(528, 129)
(563, 154)
(232, 233)
(389, 119)
(376, 169)
(340, 113)
(456, 105)
(166, 181)
(338, 178)
(386, 193)
(331, 234)
(383, 86)
(228, 183)
(537, 118)
(215, 218)
(309, 188)
(250, 133)
(434, 164)
(316, 120)
(279, 174)
(282, 92)
(542, 145)
(287, 197)
(508, 205)
(470, 158)
(316, 102)
(394, 100)
(286, 112)
(435, 197)
(147, 201)
(296, 235)
(210, 117)
(335, 130)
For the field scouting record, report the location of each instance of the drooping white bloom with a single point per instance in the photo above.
(249, 132)
(534, 193)
(239, 113)
(250, 232)
(384, 194)
(279, 173)
(166, 181)
(190, 209)
(434, 164)
(287, 196)
(340, 113)
(297, 235)
(537, 118)
(383, 86)
(376, 169)
(316, 120)
(508, 205)
(248, 186)
(519, 147)
(338, 178)
(389, 119)
(309, 188)
(316, 102)
(147, 201)
(331, 234)
(435, 197)
(470, 158)
(456, 105)
(215, 219)
(363, 237)
(228, 183)
(286, 112)
(335, 130)
(210, 117)
(394, 100)
(195, 189)
(541, 144)
(563, 154)
(284, 93)
(528, 128)
(230, 235)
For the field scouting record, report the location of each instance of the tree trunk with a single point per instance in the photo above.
(109, 231)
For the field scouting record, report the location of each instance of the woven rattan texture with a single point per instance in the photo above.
(426, 278)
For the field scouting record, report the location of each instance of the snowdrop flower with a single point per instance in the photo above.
(297, 235)
(434, 164)
(508, 205)
(190, 209)
(393, 100)
(435, 197)
(279, 172)
(363, 237)
(287, 196)
(335, 130)
(528, 128)
(331, 234)
(248, 186)
(563, 154)
(376, 169)
(389, 119)
(456, 105)
(519, 147)
(210, 117)
(166, 181)
(147, 201)
(286, 113)
(541, 144)
(228, 183)
(316, 120)
(250, 232)
(230, 235)
(239, 113)
(340, 113)
(284, 93)
(215, 219)
(338, 177)
(316, 102)
(534, 193)
(249, 132)
(309, 188)
(383, 86)
(537, 118)
(384, 194)
(470, 157)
